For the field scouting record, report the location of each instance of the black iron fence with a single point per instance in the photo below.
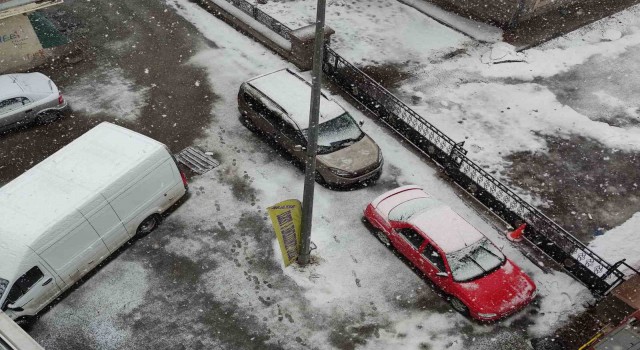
(262, 17)
(578, 259)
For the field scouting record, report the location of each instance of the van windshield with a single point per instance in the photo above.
(337, 134)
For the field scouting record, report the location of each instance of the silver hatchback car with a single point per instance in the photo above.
(28, 97)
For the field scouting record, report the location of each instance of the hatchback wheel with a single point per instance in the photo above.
(47, 117)
(320, 179)
(383, 238)
(459, 306)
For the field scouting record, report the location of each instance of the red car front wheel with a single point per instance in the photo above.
(459, 305)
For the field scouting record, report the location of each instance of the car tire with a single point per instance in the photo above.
(384, 239)
(248, 123)
(459, 306)
(26, 322)
(148, 225)
(47, 117)
(319, 179)
(376, 177)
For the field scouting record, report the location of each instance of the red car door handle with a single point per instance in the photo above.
(47, 281)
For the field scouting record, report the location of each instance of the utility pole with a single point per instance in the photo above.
(312, 137)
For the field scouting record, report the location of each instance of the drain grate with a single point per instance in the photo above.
(196, 160)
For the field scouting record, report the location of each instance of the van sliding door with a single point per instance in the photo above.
(76, 253)
(108, 225)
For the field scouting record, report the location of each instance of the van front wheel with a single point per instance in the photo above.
(149, 224)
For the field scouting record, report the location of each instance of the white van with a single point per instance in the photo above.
(64, 216)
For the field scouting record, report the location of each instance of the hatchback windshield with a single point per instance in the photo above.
(337, 133)
(475, 261)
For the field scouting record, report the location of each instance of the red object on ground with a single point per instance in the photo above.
(516, 235)
(478, 279)
(184, 180)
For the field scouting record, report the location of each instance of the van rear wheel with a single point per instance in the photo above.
(149, 224)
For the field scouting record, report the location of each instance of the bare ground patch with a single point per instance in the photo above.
(587, 185)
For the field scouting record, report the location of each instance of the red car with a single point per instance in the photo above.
(479, 280)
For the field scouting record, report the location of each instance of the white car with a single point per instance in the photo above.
(27, 98)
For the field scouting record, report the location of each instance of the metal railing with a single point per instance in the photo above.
(260, 16)
(584, 264)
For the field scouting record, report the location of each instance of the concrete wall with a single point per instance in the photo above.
(19, 46)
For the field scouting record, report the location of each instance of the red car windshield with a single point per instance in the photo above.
(475, 261)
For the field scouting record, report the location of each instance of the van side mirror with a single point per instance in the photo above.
(13, 307)
(361, 122)
(442, 274)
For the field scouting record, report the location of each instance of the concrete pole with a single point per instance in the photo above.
(312, 137)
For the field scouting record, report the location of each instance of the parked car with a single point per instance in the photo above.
(277, 105)
(28, 97)
(65, 215)
(478, 279)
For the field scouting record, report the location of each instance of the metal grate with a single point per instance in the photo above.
(196, 160)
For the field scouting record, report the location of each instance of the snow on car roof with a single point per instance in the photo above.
(293, 94)
(8, 87)
(446, 228)
(389, 200)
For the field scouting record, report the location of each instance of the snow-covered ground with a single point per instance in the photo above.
(113, 95)
(212, 276)
(356, 281)
(373, 31)
(579, 87)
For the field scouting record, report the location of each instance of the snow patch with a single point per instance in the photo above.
(107, 92)
(118, 288)
(620, 243)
